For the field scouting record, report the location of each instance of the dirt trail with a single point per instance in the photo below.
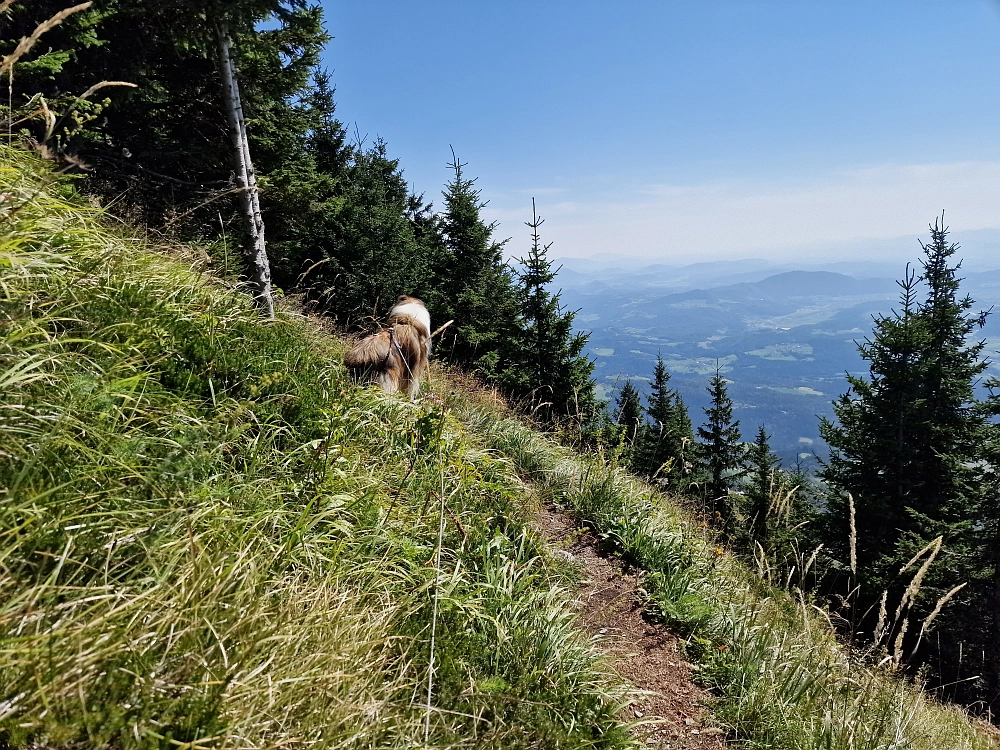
(645, 654)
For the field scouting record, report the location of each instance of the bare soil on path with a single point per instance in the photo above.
(672, 709)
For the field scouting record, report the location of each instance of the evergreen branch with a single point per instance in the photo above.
(28, 42)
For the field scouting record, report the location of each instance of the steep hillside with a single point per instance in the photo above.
(210, 537)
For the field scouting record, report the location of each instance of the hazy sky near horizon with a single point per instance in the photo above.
(683, 130)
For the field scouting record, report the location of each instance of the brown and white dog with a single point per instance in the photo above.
(396, 357)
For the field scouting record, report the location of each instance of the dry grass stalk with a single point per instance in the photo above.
(934, 613)
(781, 503)
(914, 588)
(5, 5)
(103, 84)
(897, 646)
(49, 115)
(763, 563)
(932, 543)
(910, 595)
(812, 560)
(882, 614)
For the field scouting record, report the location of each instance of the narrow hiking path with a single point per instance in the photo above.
(673, 709)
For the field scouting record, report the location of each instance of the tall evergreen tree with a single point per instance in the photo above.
(915, 449)
(629, 417)
(908, 439)
(667, 441)
(872, 458)
(722, 452)
(374, 253)
(763, 480)
(477, 286)
(547, 363)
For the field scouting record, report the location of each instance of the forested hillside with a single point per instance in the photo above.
(342, 228)
(785, 345)
(213, 532)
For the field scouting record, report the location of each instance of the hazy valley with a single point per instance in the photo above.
(783, 334)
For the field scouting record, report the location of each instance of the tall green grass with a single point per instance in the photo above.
(781, 677)
(211, 538)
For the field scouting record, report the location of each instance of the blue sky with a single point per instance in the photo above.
(688, 129)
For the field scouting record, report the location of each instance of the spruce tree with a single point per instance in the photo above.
(628, 417)
(872, 459)
(666, 442)
(915, 448)
(548, 369)
(477, 286)
(722, 452)
(762, 481)
(908, 440)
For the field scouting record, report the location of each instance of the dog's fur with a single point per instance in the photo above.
(396, 357)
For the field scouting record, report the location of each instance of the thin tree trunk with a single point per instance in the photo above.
(258, 268)
(993, 603)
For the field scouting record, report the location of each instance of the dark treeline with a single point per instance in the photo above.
(912, 500)
(343, 229)
(899, 534)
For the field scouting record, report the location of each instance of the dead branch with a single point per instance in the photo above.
(442, 328)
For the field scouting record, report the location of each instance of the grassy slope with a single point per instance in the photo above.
(209, 538)
(782, 679)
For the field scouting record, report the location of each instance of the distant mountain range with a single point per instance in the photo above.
(783, 336)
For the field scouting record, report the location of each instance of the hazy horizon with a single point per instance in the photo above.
(979, 251)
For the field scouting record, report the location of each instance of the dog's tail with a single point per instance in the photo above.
(369, 353)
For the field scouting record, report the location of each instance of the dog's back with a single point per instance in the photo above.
(396, 358)
(413, 312)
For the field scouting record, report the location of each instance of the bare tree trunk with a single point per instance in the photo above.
(993, 606)
(258, 268)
